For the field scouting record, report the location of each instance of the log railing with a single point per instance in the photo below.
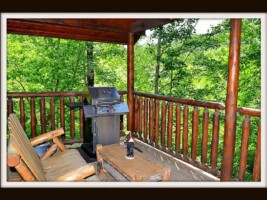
(189, 130)
(40, 112)
(248, 134)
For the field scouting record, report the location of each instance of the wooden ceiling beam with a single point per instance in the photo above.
(33, 28)
(111, 25)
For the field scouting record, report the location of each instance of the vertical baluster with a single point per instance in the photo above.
(194, 133)
(145, 119)
(151, 121)
(33, 118)
(22, 113)
(257, 161)
(72, 119)
(140, 117)
(52, 113)
(178, 128)
(185, 131)
(205, 130)
(82, 120)
(42, 115)
(244, 148)
(215, 139)
(62, 116)
(169, 133)
(156, 122)
(9, 106)
(163, 124)
(136, 109)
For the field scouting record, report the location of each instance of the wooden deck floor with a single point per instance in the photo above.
(180, 171)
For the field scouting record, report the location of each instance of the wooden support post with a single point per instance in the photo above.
(130, 81)
(231, 100)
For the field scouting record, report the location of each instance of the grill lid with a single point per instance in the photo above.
(101, 95)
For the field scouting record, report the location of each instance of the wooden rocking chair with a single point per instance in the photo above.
(67, 165)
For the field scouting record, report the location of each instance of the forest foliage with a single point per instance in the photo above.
(192, 65)
(173, 60)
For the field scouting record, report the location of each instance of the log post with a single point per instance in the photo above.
(130, 81)
(231, 100)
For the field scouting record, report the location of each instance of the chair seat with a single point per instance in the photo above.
(62, 163)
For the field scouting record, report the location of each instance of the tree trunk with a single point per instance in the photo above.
(158, 65)
(90, 71)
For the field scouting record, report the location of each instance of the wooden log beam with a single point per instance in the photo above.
(169, 129)
(110, 25)
(130, 81)
(16, 26)
(163, 124)
(9, 106)
(257, 161)
(231, 100)
(194, 141)
(189, 102)
(42, 94)
(178, 128)
(205, 130)
(244, 148)
(249, 111)
(33, 117)
(42, 115)
(62, 116)
(215, 139)
(156, 139)
(185, 131)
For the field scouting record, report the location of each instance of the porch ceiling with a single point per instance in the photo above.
(99, 30)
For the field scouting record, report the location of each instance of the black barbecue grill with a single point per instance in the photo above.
(103, 109)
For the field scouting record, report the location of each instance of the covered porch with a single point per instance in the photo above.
(168, 129)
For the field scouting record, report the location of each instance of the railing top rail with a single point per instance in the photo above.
(48, 94)
(42, 94)
(249, 111)
(191, 102)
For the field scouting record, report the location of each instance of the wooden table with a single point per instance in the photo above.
(138, 169)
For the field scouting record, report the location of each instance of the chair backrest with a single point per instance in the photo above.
(24, 148)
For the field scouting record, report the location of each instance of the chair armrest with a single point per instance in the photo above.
(46, 136)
